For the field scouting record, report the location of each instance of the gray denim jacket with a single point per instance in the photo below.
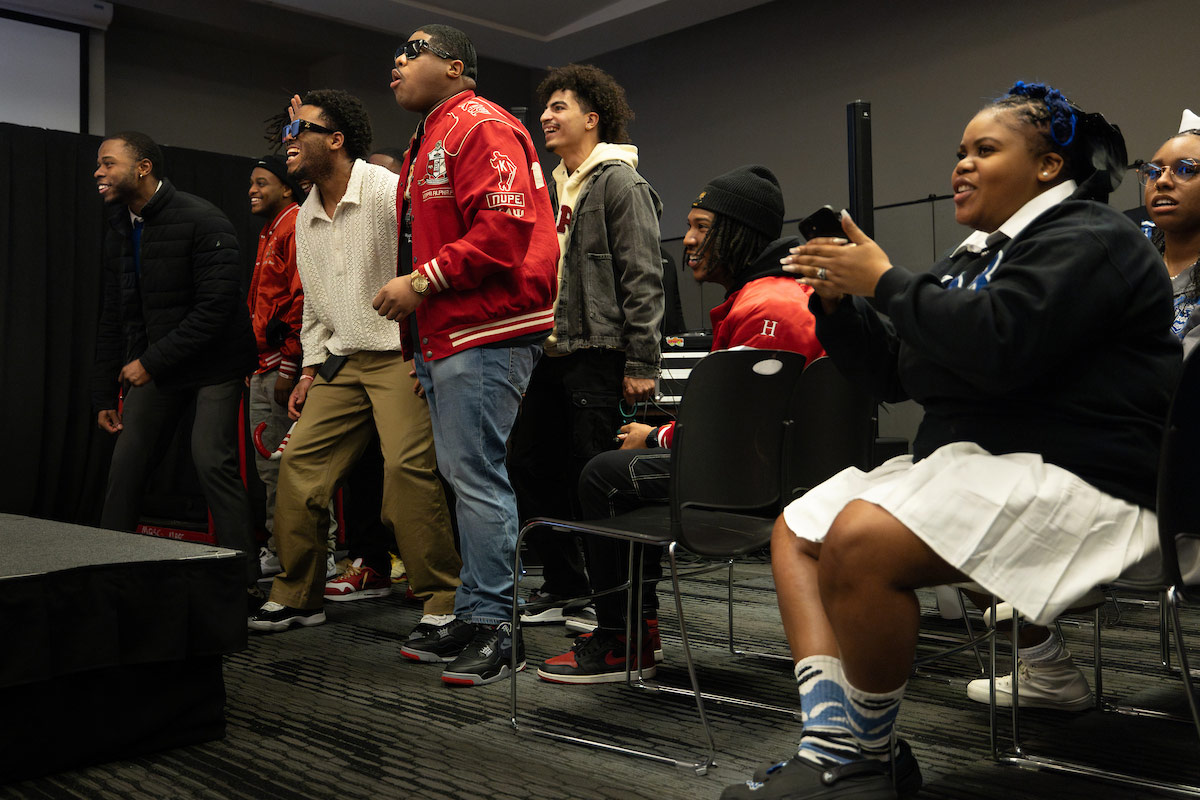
(611, 294)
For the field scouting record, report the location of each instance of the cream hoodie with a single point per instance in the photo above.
(567, 188)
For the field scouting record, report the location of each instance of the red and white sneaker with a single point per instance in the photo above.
(358, 583)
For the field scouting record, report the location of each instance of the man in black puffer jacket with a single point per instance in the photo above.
(173, 329)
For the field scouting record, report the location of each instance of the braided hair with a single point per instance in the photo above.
(1050, 113)
(731, 245)
(273, 129)
(1092, 149)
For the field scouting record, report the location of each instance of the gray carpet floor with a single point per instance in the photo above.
(334, 712)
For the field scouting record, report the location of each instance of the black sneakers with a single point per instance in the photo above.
(273, 617)
(487, 658)
(858, 779)
(598, 657)
(438, 643)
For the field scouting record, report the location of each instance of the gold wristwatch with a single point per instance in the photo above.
(419, 284)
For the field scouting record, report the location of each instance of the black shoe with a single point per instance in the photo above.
(598, 657)
(860, 779)
(908, 771)
(255, 597)
(273, 617)
(438, 643)
(543, 609)
(487, 659)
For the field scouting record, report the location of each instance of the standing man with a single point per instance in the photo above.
(604, 349)
(353, 373)
(477, 304)
(173, 331)
(276, 300)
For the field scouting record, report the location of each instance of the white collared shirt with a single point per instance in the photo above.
(134, 219)
(978, 241)
(344, 262)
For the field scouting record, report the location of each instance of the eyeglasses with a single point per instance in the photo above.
(1182, 170)
(298, 126)
(412, 49)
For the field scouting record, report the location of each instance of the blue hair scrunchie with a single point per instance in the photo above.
(1062, 115)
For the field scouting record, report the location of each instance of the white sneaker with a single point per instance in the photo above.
(268, 562)
(331, 570)
(581, 620)
(398, 572)
(1058, 684)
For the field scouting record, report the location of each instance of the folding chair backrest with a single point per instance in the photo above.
(1179, 483)
(728, 441)
(835, 429)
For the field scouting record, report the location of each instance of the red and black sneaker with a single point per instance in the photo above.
(651, 635)
(598, 658)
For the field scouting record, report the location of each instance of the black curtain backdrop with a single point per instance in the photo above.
(55, 459)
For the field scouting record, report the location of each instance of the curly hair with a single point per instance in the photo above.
(596, 91)
(142, 147)
(344, 112)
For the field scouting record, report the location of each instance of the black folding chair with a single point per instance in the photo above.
(1179, 539)
(837, 431)
(731, 443)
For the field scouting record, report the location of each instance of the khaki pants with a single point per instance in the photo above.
(333, 431)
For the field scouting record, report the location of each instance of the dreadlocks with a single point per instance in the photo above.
(733, 246)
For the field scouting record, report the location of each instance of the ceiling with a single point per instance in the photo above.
(532, 33)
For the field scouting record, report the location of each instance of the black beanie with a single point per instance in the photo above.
(748, 194)
(278, 167)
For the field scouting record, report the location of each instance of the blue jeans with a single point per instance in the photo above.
(473, 401)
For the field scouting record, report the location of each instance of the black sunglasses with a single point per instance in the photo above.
(297, 126)
(412, 48)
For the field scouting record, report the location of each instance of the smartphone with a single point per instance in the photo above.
(822, 222)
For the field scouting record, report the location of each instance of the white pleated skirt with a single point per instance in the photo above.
(1028, 532)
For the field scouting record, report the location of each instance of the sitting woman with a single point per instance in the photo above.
(1040, 350)
(1173, 203)
(1048, 676)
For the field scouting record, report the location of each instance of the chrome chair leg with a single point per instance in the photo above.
(687, 657)
(700, 766)
(1171, 598)
(1018, 756)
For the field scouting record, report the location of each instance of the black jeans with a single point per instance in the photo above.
(367, 537)
(149, 416)
(613, 483)
(569, 414)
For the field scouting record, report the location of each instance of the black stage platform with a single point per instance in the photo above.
(110, 643)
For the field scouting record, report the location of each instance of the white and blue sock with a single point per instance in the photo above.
(842, 723)
(827, 737)
(872, 716)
